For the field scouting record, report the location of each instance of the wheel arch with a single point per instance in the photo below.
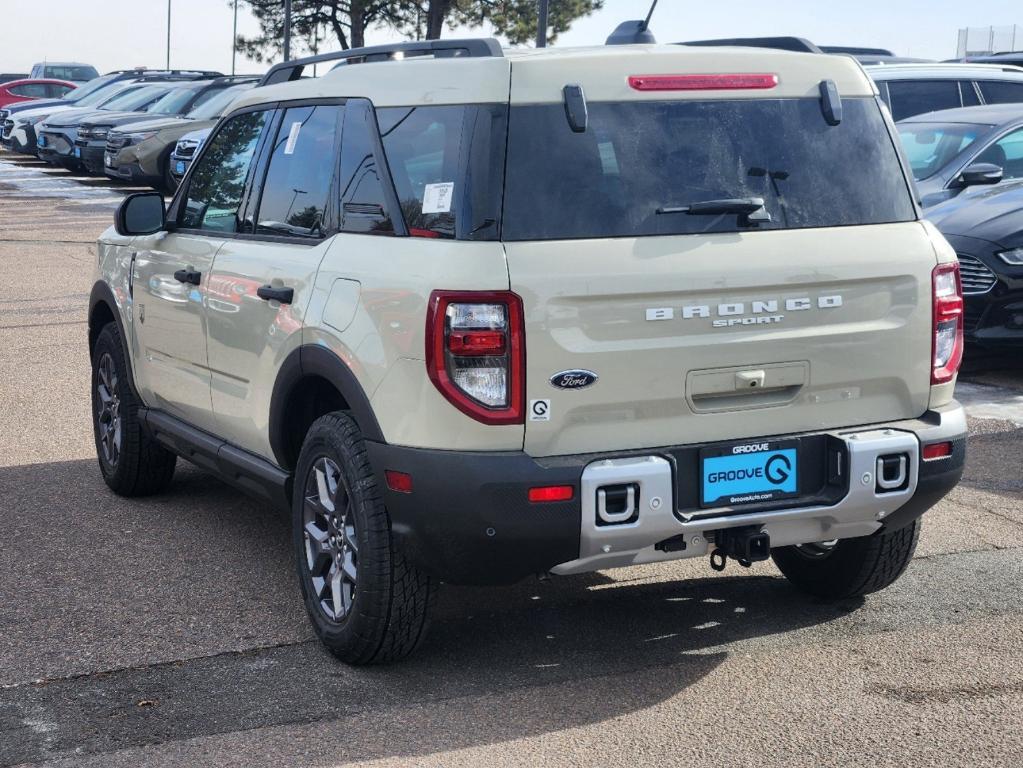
(103, 310)
(311, 382)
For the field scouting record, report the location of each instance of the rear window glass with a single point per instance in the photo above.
(448, 167)
(929, 147)
(639, 163)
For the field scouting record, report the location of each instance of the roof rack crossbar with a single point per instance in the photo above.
(468, 48)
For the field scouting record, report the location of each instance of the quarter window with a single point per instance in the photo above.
(363, 202)
(996, 92)
(218, 182)
(33, 90)
(297, 184)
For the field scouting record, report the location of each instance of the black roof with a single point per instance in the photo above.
(989, 114)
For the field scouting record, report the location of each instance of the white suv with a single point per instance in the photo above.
(473, 315)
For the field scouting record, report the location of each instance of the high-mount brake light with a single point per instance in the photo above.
(947, 347)
(719, 82)
(475, 353)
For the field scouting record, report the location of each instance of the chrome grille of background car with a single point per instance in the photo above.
(116, 143)
(185, 149)
(977, 278)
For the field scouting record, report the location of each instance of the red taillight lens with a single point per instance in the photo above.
(947, 347)
(722, 82)
(398, 481)
(937, 451)
(551, 493)
(475, 353)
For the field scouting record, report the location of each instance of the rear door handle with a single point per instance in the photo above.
(283, 295)
(188, 275)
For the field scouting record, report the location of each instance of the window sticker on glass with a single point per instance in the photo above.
(437, 197)
(289, 148)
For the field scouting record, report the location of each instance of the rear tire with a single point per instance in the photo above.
(850, 567)
(367, 603)
(132, 463)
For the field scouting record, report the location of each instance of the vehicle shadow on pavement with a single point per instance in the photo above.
(535, 658)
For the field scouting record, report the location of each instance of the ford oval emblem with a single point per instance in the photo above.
(576, 379)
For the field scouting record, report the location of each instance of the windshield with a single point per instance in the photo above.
(216, 106)
(929, 147)
(135, 98)
(639, 168)
(88, 89)
(174, 102)
(70, 72)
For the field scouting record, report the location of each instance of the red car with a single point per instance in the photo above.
(25, 90)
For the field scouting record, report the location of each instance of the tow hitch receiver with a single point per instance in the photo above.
(747, 545)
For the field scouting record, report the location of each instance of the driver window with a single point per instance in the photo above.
(217, 183)
(1006, 153)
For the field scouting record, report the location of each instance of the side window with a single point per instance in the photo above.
(1007, 153)
(218, 180)
(999, 92)
(35, 90)
(915, 97)
(968, 93)
(363, 202)
(297, 184)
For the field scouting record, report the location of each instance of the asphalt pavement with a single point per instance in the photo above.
(169, 631)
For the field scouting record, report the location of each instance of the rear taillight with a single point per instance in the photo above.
(948, 342)
(475, 353)
(720, 82)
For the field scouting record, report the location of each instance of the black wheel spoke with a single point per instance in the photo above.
(108, 418)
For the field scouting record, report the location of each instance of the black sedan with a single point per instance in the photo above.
(985, 226)
(954, 149)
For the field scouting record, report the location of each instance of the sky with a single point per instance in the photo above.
(119, 34)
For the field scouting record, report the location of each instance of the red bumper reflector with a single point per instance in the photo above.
(398, 481)
(937, 451)
(721, 82)
(552, 493)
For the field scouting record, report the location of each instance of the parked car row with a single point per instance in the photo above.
(126, 125)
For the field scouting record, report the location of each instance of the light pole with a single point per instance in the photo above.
(287, 30)
(541, 25)
(234, 36)
(168, 32)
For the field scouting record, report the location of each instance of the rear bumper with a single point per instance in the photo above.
(468, 519)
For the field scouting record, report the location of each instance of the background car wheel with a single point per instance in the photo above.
(366, 602)
(850, 567)
(132, 463)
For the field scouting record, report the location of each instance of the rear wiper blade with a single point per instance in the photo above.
(741, 205)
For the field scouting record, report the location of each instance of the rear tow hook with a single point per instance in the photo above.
(746, 545)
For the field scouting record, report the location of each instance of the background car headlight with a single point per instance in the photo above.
(138, 138)
(1013, 257)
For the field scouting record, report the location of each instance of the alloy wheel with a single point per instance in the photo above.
(109, 417)
(331, 549)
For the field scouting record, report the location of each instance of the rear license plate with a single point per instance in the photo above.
(78, 151)
(179, 167)
(41, 141)
(749, 473)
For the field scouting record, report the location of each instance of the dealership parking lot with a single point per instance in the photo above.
(168, 631)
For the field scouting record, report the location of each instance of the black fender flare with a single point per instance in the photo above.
(102, 294)
(315, 360)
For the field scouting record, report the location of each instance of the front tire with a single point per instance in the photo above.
(132, 463)
(850, 567)
(367, 603)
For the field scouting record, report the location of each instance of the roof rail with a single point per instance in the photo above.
(468, 48)
(799, 44)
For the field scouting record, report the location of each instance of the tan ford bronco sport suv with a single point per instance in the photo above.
(474, 314)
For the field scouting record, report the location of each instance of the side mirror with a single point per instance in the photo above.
(140, 214)
(978, 174)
